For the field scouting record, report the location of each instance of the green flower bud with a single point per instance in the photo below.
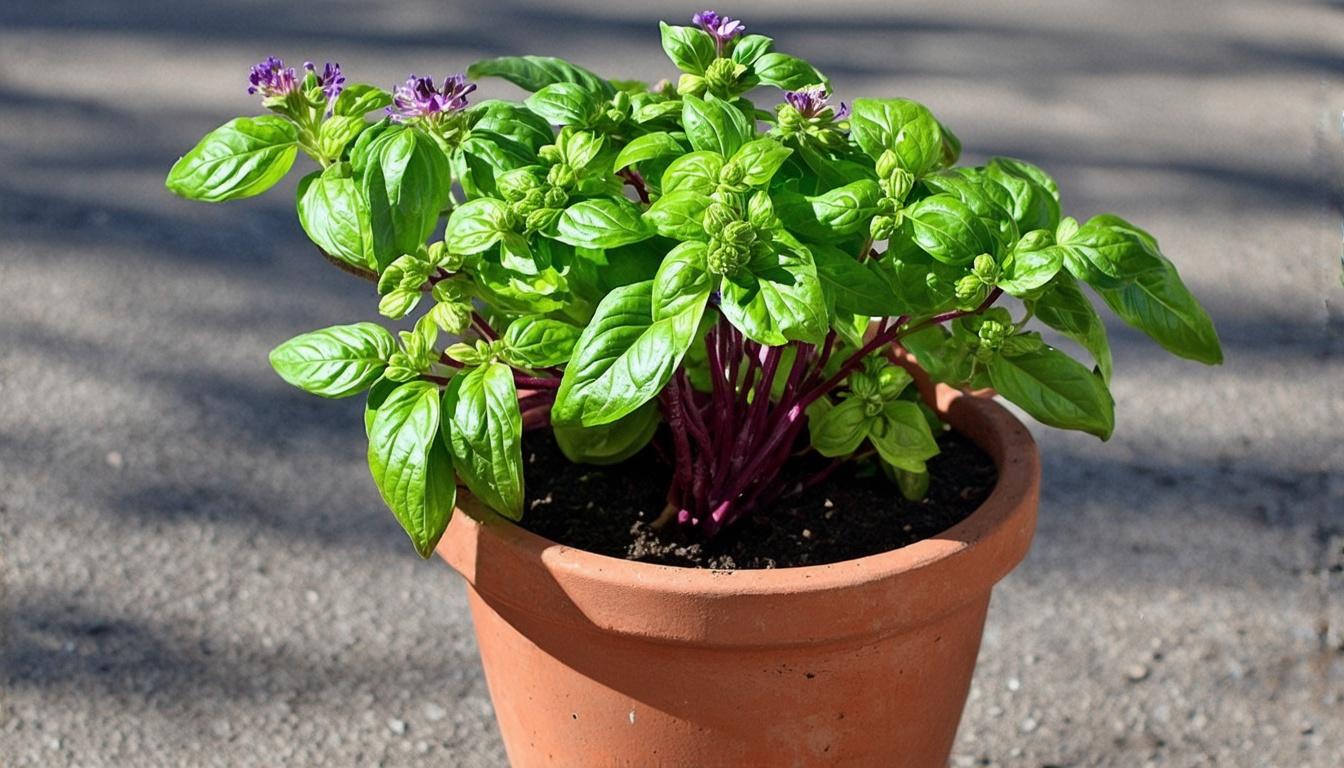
(970, 290)
(732, 173)
(789, 119)
(887, 163)
(725, 258)
(898, 183)
(761, 211)
(985, 268)
(621, 101)
(555, 198)
(541, 219)
(690, 85)
(992, 334)
(717, 216)
(882, 228)
(549, 154)
(722, 75)
(739, 233)
(562, 176)
(887, 206)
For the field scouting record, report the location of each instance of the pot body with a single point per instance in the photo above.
(595, 661)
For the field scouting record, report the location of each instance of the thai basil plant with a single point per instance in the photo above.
(606, 257)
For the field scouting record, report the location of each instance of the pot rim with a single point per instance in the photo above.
(674, 603)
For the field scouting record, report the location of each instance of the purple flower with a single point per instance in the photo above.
(811, 100)
(331, 79)
(272, 78)
(419, 98)
(721, 28)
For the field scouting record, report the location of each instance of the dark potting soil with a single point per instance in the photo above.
(856, 512)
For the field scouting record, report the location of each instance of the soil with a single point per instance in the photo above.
(856, 512)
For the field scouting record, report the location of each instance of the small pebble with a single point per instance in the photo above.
(1014, 684)
(807, 533)
(434, 713)
(114, 459)
(1029, 725)
(396, 726)
(1137, 673)
(311, 597)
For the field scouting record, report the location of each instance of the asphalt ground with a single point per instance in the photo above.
(197, 569)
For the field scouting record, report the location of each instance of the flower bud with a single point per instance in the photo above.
(562, 176)
(549, 154)
(690, 85)
(898, 183)
(739, 233)
(732, 173)
(541, 219)
(555, 198)
(722, 74)
(882, 228)
(717, 217)
(969, 290)
(887, 162)
(985, 268)
(725, 258)
(761, 211)
(788, 119)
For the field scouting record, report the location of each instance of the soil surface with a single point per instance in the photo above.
(856, 512)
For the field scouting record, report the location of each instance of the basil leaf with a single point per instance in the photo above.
(839, 429)
(405, 183)
(359, 99)
(610, 443)
(854, 286)
(1034, 194)
(690, 48)
(242, 158)
(623, 359)
(504, 118)
(760, 159)
(532, 73)
(330, 213)
(693, 172)
(333, 362)
(843, 211)
(1056, 390)
(410, 464)
(564, 104)
(537, 341)
(777, 299)
(902, 436)
(1065, 308)
(1160, 305)
(484, 430)
(1104, 256)
(714, 125)
(476, 225)
(683, 283)
(679, 215)
(948, 230)
(786, 72)
(485, 155)
(602, 223)
(903, 126)
(1026, 271)
(647, 147)
(749, 48)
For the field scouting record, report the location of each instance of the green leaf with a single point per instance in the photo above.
(484, 155)
(693, 172)
(242, 158)
(777, 299)
(948, 230)
(714, 125)
(359, 99)
(903, 126)
(532, 73)
(840, 429)
(609, 443)
(565, 104)
(333, 362)
(1034, 194)
(484, 430)
(902, 436)
(760, 158)
(336, 132)
(683, 283)
(476, 225)
(410, 463)
(786, 72)
(513, 121)
(854, 286)
(602, 223)
(623, 359)
(1105, 256)
(844, 211)
(1065, 308)
(1028, 270)
(679, 215)
(749, 48)
(537, 341)
(648, 147)
(1056, 390)
(690, 48)
(1160, 305)
(330, 213)
(406, 183)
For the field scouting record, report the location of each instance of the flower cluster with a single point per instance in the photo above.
(331, 81)
(418, 98)
(271, 78)
(721, 28)
(811, 102)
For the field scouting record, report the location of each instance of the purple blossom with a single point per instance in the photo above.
(331, 80)
(810, 101)
(721, 28)
(419, 98)
(272, 78)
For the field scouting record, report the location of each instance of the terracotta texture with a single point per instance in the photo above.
(595, 661)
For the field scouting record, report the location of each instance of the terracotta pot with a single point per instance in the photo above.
(596, 661)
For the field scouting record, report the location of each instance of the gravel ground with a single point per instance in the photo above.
(197, 570)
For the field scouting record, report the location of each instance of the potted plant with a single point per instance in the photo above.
(676, 308)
